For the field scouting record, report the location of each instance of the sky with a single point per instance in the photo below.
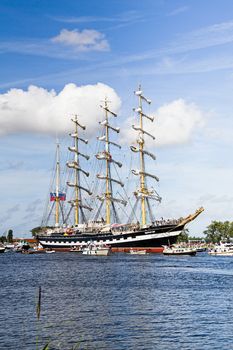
(60, 58)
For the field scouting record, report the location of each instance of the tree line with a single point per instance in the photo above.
(219, 231)
(215, 232)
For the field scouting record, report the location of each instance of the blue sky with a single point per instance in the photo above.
(180, 51)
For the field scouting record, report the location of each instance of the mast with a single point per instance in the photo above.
(57, 196)
(76, 206)
(75, 165)
(143, 193)
(57, 200)
(106, 155)
(108, 191)
(142, 163)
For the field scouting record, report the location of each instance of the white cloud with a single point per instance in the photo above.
(125, 17)
(41, 111)
(213, 35)
(174, 123)
(86, 40)
(73, 44)
(178, 10)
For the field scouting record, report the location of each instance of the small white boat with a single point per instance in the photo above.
(96, 250)
(178, 250)
(138, 252)
(2, 249)
(222, 249)
(9, 246)
(50, 251)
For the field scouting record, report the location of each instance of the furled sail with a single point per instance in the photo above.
(135, 149)
(149, 194)
(105, 123)
(80, 187)
(84, 206)
(139, 110)
(103, 138)
(138, 172)
(139, 93)
(75, 135)
(107, 156)
(137, 128)
(112, 199)
(74, 165)
(103, 177)
(75, 120)
(73, 149)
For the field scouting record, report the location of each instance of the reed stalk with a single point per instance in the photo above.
(38, 314)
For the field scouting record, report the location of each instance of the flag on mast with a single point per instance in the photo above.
(61, 196)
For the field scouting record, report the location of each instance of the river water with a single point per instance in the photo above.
(118, 302)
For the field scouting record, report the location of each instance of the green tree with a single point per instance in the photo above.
(219, 231)
(10, 236)
(196, 238)
(37, 230)
(184, 236)
(2, 239)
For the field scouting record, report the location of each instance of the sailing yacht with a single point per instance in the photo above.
(146, 232)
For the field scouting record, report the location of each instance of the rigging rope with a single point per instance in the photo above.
(133, 213)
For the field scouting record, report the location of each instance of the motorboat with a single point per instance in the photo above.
(138, 252)
(179, 250)
(9, 246)
(21, 246)
(92, 249)
(2, 249)
(223, 249)
(50, 251)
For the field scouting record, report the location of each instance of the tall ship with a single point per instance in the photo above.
(95, 215)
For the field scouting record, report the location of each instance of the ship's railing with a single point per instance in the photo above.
(163, 222)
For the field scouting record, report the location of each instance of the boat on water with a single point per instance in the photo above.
(100, 250)
(9, 246)
(222, 249)
(50, 251)
(138, 252)
(100, 223)
(2, 248)
(179, 250)
(21, 246)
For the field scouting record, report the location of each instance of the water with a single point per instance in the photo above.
(117, 302)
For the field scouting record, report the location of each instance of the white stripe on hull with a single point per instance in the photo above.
(112, 242)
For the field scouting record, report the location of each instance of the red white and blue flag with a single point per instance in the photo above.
(61, 196)
(52, 196)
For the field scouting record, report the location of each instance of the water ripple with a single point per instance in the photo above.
(117, 302)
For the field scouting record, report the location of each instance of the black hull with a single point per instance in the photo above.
(150, 237)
